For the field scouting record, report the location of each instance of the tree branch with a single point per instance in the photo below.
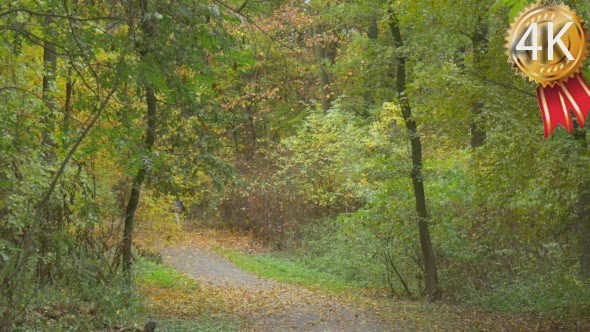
(73, 18)
(251, 22)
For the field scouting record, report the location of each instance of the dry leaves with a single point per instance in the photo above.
(293, 307)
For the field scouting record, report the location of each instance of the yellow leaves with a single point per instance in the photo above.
(104, 55)
(184, 72)
(390, 115)
(181, 304)
(391, 111)
(324, 40)
(212, 238)
(156, 221)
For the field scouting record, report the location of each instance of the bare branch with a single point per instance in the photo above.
(19, 89)
(34, 38)
(72, 18)
(251, 22)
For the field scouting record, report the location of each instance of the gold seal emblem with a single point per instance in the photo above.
(547, 43)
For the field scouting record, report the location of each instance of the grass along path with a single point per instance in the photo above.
(268, 305)
(300, 285)
(401, 313)
(285, 270)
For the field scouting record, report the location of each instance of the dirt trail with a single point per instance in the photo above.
(269, 305)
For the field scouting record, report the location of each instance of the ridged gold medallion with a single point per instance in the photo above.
(553, 43)
(548, 43)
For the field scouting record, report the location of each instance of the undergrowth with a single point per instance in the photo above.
(330, 259)
(160, 294)
(84, 306)
(550, 294)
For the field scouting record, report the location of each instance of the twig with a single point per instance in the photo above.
(251, 22)
(73, 18)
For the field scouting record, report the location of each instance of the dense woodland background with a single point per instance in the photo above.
(385, 142)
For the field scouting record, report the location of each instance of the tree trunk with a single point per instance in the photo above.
(252, 129)
(139, 178)
(149, 32)
(68, 109)
(478, 134)
(321, 56)
(584, 215)
(584, 204)
(428, 258)
(50, 69)
(373, 30)
(480, 45)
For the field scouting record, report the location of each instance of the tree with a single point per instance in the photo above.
(480, 45)
(428, 258)
(583, 213)
(145, 46)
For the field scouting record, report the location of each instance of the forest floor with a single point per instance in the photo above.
(268, 305)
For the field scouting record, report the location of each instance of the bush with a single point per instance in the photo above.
(81, 305)
(551, 293)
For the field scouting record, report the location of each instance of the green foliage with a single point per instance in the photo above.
(69, 64)
(240, 136)
(551, 294)
(347, 251)
(88, 305)
(319, 158)
(516, 6)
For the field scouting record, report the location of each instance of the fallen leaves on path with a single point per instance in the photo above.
(219, 238)
(283, 306)
(207, 238)
(183, 303)
(293, 307)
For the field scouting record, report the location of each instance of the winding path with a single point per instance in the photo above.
(269, 305)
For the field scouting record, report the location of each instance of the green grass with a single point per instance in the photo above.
(158, 275)
(201, 324)
(285, 270)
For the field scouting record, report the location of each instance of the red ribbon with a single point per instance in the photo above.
(556, 103)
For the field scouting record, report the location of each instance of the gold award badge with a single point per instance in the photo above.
(548, 43)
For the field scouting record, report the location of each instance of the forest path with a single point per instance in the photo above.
(266, 304)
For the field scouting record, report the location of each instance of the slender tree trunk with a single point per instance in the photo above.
(584, 215)
(252, 129)
(50, 69)
(584, 205)
(129, 219)
(373, 30)
(68, 108)
(478, 134)
(368, 95)
(149, 32)
(480, 45)
(320, 53)
(428, 258)
(139, 178)
(236, 139)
